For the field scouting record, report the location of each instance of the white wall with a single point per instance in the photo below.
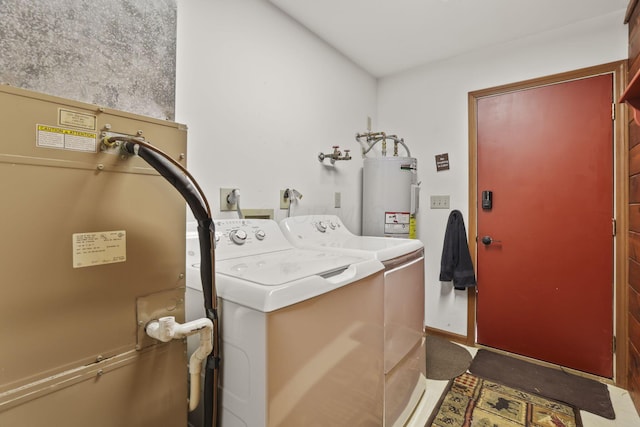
(262, 96)
(427, 106)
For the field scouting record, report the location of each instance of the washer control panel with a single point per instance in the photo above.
(243, 237)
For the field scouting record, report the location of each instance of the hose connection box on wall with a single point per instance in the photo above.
(227, 199)
(287, 196)
(230, 200)
(284, 201)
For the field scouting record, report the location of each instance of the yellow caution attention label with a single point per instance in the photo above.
(65, 139)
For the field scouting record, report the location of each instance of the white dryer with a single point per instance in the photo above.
(301, 330)
(404, 351)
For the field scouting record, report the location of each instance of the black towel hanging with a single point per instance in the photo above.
(456, 264)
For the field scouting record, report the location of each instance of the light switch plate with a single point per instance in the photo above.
(439, 202)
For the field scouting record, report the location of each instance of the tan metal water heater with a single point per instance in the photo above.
(92, 248)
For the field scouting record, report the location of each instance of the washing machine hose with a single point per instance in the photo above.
(179, 178)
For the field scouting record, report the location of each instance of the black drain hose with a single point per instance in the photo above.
(178, 176)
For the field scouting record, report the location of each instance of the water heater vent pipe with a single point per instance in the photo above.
(166, 329)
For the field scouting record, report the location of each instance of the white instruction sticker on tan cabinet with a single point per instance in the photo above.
(103, 247)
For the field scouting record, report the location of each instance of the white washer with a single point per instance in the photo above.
(404, 352)
(301, 330)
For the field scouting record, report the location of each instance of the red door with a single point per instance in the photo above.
(545, 271)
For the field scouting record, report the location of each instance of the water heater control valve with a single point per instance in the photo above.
(238, 236)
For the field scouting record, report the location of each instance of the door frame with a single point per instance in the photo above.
(621, 177)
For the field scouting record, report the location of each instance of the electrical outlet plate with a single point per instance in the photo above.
(439, 202)
(284, 203)
(224, 205)
(337, 199)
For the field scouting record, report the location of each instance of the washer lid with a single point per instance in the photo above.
(278, 268)
(275, 280)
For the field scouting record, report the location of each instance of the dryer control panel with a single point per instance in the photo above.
(328, 232)
(315, 228)
(328, 224)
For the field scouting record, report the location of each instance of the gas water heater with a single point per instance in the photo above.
(389, 190)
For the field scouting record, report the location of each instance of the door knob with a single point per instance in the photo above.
(487, 240)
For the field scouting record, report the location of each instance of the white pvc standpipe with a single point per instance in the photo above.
(166, 328)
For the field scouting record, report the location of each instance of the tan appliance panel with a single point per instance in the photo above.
(404, 386)
(141, 389)
(325, 358)
(404, 317)
(404, 351)
(84, 235)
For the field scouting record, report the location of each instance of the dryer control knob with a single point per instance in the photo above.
(321, 226)
(332, 225)
(260, 234)
(238, 236)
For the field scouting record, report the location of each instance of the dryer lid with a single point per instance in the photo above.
(327, 232)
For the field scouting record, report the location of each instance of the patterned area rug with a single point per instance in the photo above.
(470, 401)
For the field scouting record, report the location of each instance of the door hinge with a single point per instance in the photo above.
(613, 111)
(613, 227)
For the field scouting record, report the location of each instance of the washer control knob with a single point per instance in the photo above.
(238, 236)
(321, 226)
(332, 225)
(260, 234)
